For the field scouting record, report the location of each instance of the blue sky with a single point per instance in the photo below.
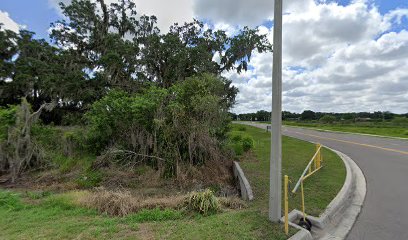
(38, 14)
(35, 14)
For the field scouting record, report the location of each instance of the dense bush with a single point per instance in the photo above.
(247, 143)
(236, 138)
(184, 124)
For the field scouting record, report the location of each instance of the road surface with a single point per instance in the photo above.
(384, 162)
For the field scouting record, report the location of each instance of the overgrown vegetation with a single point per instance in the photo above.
(70, 214)
(123, 203)
(203, 202)
(164, 128)
(141, 97)
(19, 152)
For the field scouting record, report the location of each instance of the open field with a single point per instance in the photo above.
(28, 215)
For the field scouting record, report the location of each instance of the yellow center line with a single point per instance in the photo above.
(355, 143)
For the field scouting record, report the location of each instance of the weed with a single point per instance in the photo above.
(89, 179)
(203, 202)
(38, 195)
(10, 201)
(156, 214)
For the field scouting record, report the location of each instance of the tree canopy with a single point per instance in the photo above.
(98, 47)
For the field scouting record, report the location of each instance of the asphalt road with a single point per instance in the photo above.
(384, 162)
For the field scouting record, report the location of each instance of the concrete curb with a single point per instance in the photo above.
(246, 190)
(340, 215)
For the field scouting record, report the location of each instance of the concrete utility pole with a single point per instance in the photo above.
(275, 185)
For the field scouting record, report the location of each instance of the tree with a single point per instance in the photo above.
(128, 50)
(308, 115)
(327, 119)
(19, 151)
(263, 115)
(8, 49)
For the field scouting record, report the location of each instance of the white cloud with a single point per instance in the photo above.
(243, 12)
(167, 12)
(8, 23)
(335, 58)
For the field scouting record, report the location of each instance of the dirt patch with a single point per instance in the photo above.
(249, 156)
(145, 232)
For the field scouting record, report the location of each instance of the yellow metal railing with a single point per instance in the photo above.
(314, 165)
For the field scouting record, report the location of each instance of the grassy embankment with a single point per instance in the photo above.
(43, 215)
(387, 130)
(319, 189)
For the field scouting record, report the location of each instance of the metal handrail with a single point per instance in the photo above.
(306, 169)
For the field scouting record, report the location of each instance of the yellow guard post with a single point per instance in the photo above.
(303, 199)
(286, 180)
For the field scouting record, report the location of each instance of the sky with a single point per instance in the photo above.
(338, 55)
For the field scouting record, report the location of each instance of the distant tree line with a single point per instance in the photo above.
(309, 115)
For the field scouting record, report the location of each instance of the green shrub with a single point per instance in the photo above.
(7, 118)
(203, 202)
(247, 143)
(89, 179)
(76, 137)
(236, 138)
(237, 147)
(406, 132)
(47, 136)
(186, 123)
(10, 201)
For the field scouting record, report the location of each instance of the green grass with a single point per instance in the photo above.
(43, 215)
(56, 217)
(320, 189)
(381, 129)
